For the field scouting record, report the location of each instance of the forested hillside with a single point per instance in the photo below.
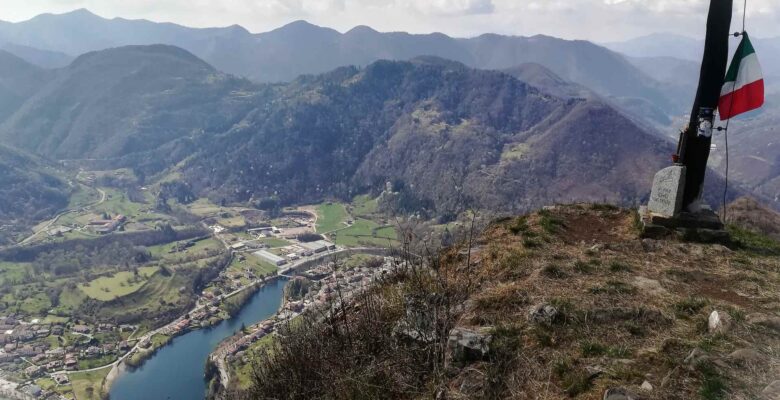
(28, 191)
(444, 135)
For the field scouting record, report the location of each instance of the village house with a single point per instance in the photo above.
(71, 362)
(61, 379)
(56, 352)
(33, 371)
(93, 351)
(53, 365)
(83, 329)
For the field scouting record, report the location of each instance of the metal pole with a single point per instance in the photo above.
(694, 145)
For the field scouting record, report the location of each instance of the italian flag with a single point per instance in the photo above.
(743, 89)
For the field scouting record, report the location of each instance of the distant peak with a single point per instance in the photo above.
(302, 27)
(362, 29)
(299, 25)
(81, 13)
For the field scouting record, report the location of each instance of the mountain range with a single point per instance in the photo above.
(301, 48)
(437, 129)
(542, 120)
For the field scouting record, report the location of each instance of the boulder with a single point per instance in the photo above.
(772, 391)
(763, 320)
(650, 245)
(650, 286)
(466, 345)
(695, 357)
(746, 357)
(543, 314)
(719, 322)
(619, 394)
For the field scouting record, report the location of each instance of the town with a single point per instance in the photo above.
(62, 349)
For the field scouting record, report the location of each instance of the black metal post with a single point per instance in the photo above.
(694, 146)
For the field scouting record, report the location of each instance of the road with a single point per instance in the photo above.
(58, 216)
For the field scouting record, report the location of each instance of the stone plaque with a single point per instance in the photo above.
(666, 197)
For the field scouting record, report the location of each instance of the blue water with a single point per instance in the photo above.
(176, 371)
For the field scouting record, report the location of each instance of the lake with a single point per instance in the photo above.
(176, 371)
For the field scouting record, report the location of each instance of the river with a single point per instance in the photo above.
(176, 371)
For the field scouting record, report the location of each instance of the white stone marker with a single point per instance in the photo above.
(667, 194)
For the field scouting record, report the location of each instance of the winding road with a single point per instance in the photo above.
(58, 216)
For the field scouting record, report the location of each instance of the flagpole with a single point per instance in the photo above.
(696, 139)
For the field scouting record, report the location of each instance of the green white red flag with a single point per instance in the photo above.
(743, 87)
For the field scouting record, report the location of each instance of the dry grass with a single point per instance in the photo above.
(629, 311)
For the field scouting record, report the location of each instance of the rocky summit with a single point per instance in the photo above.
(565, 302)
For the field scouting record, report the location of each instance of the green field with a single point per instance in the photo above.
(118, 203)
(204, 208)
(83, 196)
(120, 284)
(11, 272)
(163, 250)
(363, 206)
(259, 267)
(365, 232)
(96, 362)
(87, 385)
(274, 242)
(232, 222)
(330, 217)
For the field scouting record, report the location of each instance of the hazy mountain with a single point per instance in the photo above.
(683, 48)
(29, 191)
(302, 48)
(545, 80)
(41, 58)
(504, 143)
(18, 81)
(660, 45)
(438, 132)
(123, 101)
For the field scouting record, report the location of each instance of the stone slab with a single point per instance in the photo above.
(667, 193)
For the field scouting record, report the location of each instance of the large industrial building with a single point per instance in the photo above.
(319, 246)
(272, 258)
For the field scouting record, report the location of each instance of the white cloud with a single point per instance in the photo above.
(600, 20)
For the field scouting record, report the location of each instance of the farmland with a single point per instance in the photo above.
(120, 284)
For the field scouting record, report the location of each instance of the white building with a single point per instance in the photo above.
(270, 257)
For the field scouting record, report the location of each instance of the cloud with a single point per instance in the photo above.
(598, 20)
(450, 7)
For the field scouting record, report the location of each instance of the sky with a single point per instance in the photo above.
(596, 20)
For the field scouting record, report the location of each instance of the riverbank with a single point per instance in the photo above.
(321, 294)
(176, 371)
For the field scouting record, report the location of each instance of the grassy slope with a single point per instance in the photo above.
(629, 310)
(330, 217)
(81, 381)
(120, 284)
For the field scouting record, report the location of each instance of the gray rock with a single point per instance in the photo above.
(772, 391)
(596, 248)
(543, 314)
(746, 357)
(695, 356)
(647, 386)
(619, 394)
(467, 345)
(650, 245)
(765, 321)
(650, 286)
(666, 195)
(719, 322)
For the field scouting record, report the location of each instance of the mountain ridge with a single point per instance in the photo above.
(282, 54)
